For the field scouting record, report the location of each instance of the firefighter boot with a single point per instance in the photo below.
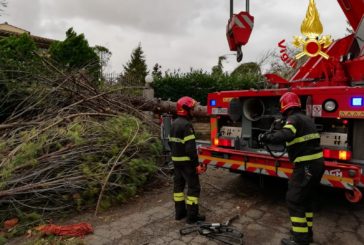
(181, 211)
(310, 235)
(296, 239)
(193, 215)
(291, 241)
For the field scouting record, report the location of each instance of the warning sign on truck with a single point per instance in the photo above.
(316, 110)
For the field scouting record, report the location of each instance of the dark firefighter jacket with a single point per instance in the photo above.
(301, 137)
(182, 142)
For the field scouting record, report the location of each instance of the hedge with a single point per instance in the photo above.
(197, 84)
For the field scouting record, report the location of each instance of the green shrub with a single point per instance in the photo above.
(197, 84)
(85, 148)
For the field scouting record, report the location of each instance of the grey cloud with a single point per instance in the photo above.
(174, 33)
(23, 13)
(160, 16)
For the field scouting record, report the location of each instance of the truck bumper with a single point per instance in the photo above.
(337, 175)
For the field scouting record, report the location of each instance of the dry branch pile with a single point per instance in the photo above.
(66, 146)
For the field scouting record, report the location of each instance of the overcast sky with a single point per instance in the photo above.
(174, 33)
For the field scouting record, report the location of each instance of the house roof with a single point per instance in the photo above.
(10, 28)
(7, 30)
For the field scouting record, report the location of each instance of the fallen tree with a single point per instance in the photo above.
(159, 106)
(67, 145)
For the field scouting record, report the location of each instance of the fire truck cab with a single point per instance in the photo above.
(332, 94)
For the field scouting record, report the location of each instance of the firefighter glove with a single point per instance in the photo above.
(262, 137)
(278, 124)
(201, 168)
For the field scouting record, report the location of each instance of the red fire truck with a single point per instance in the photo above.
(331, 89)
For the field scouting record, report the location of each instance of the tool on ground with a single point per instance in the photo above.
(222, 232)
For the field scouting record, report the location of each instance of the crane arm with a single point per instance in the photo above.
(353, 10)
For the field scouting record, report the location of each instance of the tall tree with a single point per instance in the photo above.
(136, 69)
(16, 54)
(247, 68)
(75, 53)
(275, 65)
(217, 70)
(19, 65)
(104, 55)
(157, 72)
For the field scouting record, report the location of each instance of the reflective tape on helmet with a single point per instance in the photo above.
(304, 138)
(181, 159)
(184, 105)
(191, 200)
(289, 100)
(308, 157)
(291, 127)
(178, 196)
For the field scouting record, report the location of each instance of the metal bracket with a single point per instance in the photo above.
(245, 162)
(277, 165)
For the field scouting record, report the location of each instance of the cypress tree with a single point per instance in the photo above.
(136, 69)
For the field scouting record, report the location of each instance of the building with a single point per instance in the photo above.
(7, 30)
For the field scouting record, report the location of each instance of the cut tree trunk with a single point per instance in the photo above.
(161, 106)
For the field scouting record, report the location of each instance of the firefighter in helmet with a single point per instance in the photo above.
(185, 161)
(304, 151)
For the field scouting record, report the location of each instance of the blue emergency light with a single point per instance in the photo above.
(357, 101)
(212, 102)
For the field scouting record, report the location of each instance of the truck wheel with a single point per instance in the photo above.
(354, 195)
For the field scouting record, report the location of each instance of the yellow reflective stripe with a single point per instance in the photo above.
(177, 197)
(309, 215)
(298, 219)
(189, 137)
(181, 159)
(300, 229)
(177, 140)
(192, 200)
(184, 140)
(291, 127)
(304, 138)
(308, 157)
(309, 224)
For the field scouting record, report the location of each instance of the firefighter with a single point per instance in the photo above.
(304, 151)
(185, 161)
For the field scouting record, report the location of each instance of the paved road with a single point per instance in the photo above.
(148, 219)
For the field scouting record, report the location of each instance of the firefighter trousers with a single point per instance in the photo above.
(302, 197)
(186, 174)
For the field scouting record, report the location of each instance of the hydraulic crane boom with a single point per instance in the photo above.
(353, 10)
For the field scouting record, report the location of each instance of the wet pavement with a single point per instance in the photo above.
(149, 218)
